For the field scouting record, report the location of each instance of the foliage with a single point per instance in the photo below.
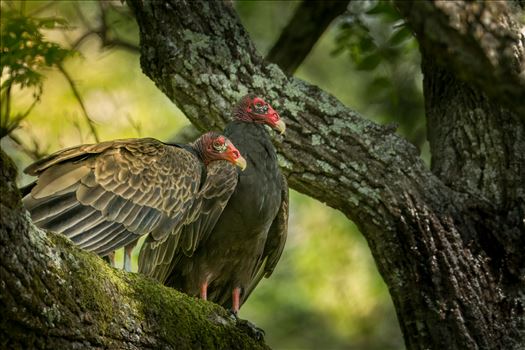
(25, 55)
(378, 43)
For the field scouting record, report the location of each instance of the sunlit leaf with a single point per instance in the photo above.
(25, 54)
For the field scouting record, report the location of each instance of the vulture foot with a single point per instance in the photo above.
(252, 330)
(110, 259)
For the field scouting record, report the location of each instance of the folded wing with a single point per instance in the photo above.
(275, 242)
(157, 258)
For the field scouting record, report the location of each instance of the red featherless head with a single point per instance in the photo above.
(213, 146)
(252, 108)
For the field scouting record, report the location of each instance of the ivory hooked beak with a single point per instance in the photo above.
(241, 163)
(280, 126)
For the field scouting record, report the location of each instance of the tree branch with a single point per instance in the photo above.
(103, 30)
(54, 295)
(310, 20)
(480, 41)
(419, 230)
(35, 152)
(80, 101)
(326, 143)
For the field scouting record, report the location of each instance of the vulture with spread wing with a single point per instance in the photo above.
(105, 196)
(237, 238)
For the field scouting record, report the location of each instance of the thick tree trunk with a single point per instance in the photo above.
(55, 296)
(481, 42)
(448, 242)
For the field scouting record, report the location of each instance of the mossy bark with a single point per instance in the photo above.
(54, 295)
(448, 240)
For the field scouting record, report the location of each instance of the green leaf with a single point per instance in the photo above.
(367, 44)
(369, 62)
(379, 87)
(400, 36)
(25, 51)
(386, 11)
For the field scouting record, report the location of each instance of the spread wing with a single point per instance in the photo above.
(157, 259)
(274, 243)
(106, 195)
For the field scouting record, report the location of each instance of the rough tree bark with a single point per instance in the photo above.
(448, 241)
(55, 296)
(480, 42)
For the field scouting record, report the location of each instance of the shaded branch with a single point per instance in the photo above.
(54, 295)
(422, 233)
(102, 31)
(481, 42)
(80, 101)
(326, 143)
(7, 123)
(35, 153)
(5, 110)
(310, 20)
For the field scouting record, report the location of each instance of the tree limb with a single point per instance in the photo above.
(310, 20)
(54, 295)
(481, 42)
(102, 30)
(419, 230)
(80, 101)
(326, 143)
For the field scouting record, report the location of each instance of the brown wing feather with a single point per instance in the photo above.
(158, 259)
(107, 194)
(275, 242)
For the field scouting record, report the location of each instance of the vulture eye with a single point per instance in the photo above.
(260, 108)
(219, 146)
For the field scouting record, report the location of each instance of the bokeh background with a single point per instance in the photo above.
(326, 292)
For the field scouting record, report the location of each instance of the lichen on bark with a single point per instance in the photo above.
(431, 239)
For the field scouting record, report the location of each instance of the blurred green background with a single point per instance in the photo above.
(326, 292)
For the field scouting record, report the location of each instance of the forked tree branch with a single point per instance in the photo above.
(200, 56)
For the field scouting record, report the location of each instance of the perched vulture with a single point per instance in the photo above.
(105, 196)
(239, 237)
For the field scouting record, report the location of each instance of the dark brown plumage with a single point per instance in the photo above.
(105, 196)
(224, 258)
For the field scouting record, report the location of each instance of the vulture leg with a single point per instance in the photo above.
(127, 255)
(110, 259)
(204, 291)
(236, 300)
(255, 331)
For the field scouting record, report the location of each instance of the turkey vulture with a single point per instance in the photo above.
(237, 239)
(105, 196)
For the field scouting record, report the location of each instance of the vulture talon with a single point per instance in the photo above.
(252, 330)
(233, 315)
